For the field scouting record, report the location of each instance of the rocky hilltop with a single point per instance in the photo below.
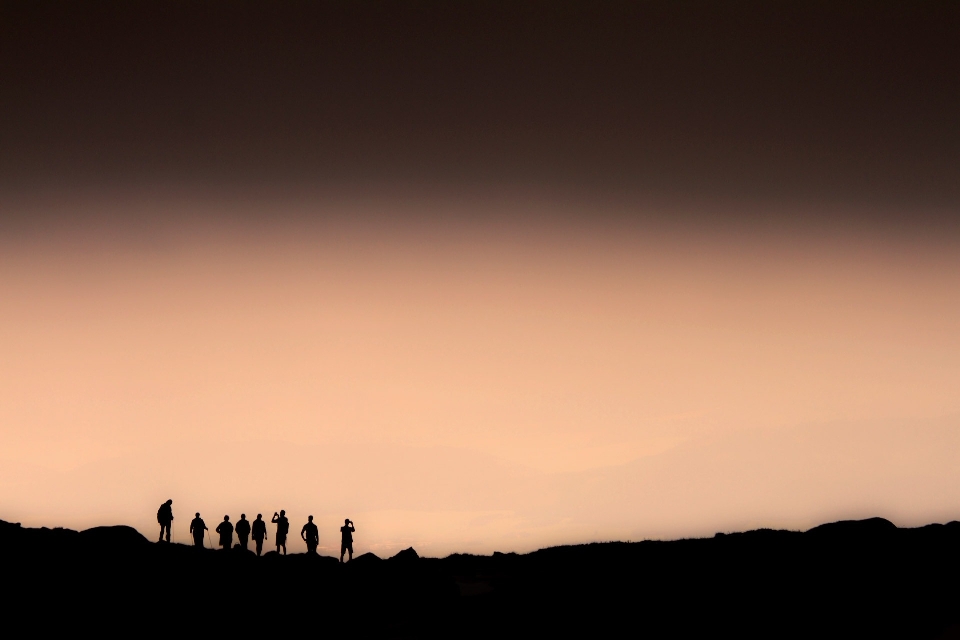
(854, 579)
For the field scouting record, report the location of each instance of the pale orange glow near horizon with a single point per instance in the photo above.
(467, 379)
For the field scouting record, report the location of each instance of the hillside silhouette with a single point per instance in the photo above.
(864, 578)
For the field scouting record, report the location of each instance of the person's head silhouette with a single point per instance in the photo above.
(346, 521)
(226, 518)
(198, 514)
(259, 515)
(169, 502)
(309, 518)
(282, 512)
(243, 516)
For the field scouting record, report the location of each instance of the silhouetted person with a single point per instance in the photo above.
(165, 518)
(197, 527)
(259, 532)
(225, 529)
(346, 538)
(283, 526)
(310, 535)
(243, 530)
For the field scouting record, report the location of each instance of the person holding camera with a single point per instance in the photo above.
(283, 526)
(346, 538)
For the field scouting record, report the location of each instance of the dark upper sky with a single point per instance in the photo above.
(847, 102)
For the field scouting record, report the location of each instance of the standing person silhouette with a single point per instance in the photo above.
(283, 526)
(197, 527)
(346, 538)
(225, 529)
(165, 518)
(259, 532)
(243, 530)
(310, 535)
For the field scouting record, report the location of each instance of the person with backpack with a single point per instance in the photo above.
(243, 530)
(165, 518)
(283, 526)
(225, 529)
(310, 535)
(197, 527)
(259, 532)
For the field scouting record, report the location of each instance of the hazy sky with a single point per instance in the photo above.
(480, 278)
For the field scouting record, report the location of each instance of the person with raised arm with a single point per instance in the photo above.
(283, 526)
(346, 538)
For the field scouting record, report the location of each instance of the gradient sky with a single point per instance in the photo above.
(482, 276)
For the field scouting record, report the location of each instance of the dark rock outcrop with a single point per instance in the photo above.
(855, 529)
(407, 555)
(366, 558)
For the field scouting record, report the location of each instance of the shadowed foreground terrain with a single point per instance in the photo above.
(846, 579)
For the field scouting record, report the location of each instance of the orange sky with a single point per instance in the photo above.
(478, 375)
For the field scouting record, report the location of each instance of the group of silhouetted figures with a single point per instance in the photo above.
(257, 530)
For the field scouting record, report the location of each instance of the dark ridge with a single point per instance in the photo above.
(850, 579)
(855, 529)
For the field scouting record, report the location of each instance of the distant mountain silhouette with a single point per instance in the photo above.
(853, 579)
